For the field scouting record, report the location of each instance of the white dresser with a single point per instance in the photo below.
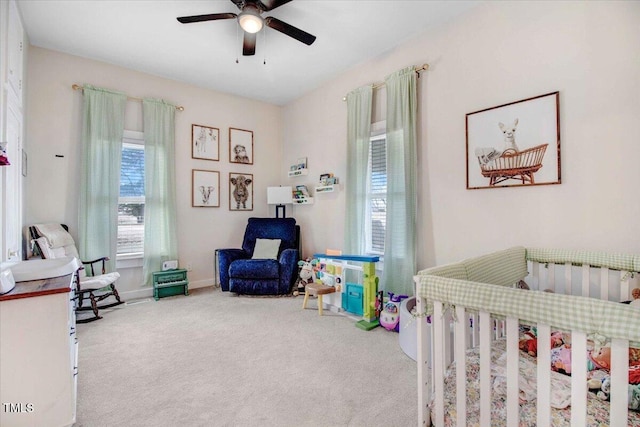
(38, 354)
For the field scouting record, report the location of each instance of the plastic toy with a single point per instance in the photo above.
(390, 316)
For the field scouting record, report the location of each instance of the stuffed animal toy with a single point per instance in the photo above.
(561, 359)
(305, 275)
(635, 293)
(604, 392)
(529, 344)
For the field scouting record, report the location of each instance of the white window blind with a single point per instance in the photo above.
(377, 195)
(131, 200)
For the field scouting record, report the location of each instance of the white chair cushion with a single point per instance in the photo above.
(266, 249)
(97, 282)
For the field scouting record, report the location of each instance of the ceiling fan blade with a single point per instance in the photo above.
(267, 5)
(210, 17)
(238, 3)
(249, 44)
(290, 30)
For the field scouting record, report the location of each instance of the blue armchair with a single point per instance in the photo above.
(243, 274)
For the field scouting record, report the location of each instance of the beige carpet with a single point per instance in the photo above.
(216, 359)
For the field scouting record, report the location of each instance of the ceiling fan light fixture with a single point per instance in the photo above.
(250, 20)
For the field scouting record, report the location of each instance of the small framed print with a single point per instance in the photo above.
(205, 191)
(205, 142)
(240, 191)
(240, 146)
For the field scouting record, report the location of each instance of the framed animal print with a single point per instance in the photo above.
(515, 144)
(240, 191)
(240, 146)
(205, 188)
(205, 142)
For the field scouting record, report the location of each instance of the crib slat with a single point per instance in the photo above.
(543, 376)
(447, 318)
(567, 279)
(578, 379)
(586, 279)
(437, 333)
(423, 356)
(535, 275)
(619, 383)
(625, 277)
(485, 367)
(513, 362)
(551, 277)
(604, 283)
(475, 331)
(461, 332)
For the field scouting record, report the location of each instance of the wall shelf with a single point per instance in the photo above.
(325, 188)
(303, 201)
(298, 172)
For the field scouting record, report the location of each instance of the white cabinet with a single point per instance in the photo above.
(15, 51)
(38, 360)
(12, 52)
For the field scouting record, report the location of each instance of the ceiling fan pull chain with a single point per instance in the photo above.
(237, 42)
(264, 38)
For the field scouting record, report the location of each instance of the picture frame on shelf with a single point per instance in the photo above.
(205, 188)
(515, 144)
(240, 191)
(240, 146)
(324, 177)
(300, 164)
(205, 142)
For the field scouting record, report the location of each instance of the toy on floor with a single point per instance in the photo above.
(378, 303)
(305, 276)
(390, 316)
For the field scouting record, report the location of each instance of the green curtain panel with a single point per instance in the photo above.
(400, 233)
(358, 137)
(103, 126)
(160, 235)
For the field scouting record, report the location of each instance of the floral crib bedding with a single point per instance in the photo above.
(597, 409)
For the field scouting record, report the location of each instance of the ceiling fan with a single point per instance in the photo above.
(251, 21)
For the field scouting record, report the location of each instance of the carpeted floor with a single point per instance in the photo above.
(216, 359)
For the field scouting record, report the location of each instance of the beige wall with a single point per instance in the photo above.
(497, 53)
(54, 126)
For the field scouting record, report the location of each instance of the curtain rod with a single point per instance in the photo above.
(423, 67)
(78, 87)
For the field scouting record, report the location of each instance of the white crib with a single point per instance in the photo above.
(474, 305)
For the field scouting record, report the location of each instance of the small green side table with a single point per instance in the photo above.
(170, 282)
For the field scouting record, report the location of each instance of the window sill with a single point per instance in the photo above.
(129, 260)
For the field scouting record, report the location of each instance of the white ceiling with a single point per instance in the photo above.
(144, 35)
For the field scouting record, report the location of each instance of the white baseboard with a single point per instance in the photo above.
(147, 291)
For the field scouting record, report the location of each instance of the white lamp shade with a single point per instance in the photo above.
(279, 195)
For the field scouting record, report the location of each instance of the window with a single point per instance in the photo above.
(131, 200)
(376, 218)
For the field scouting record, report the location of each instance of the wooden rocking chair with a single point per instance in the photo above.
(94, 287)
